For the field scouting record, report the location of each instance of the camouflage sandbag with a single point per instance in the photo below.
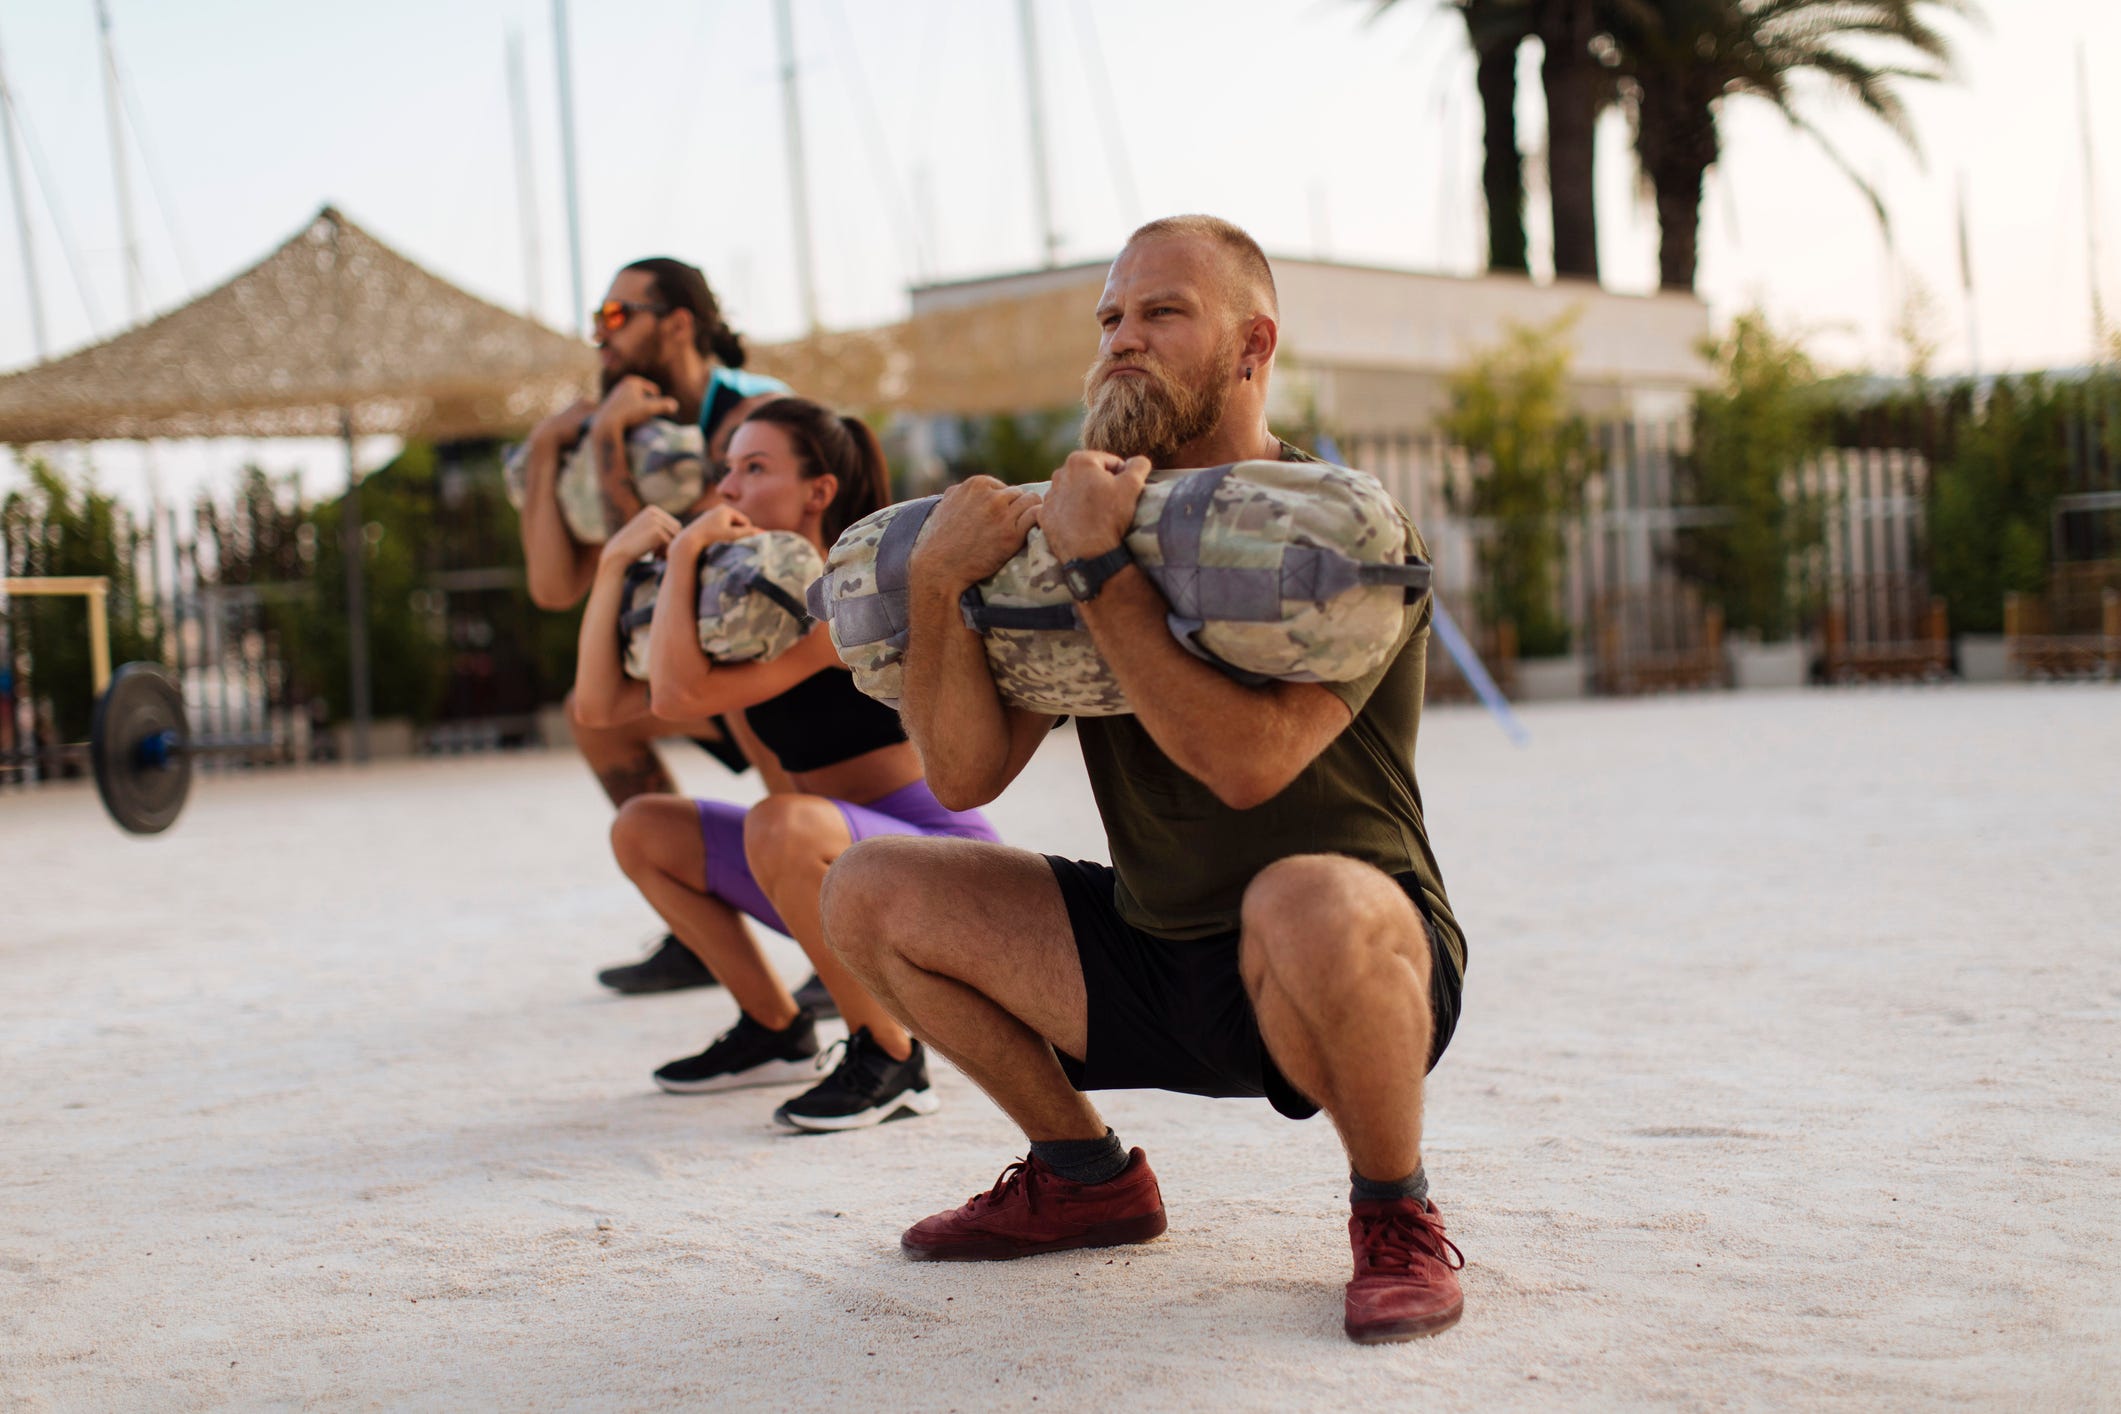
(750, 604)
(1291, 570)
(669, 464)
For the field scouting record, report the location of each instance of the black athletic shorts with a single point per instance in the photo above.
(725, 750)
(1167, 1015)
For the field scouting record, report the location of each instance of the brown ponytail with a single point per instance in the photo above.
(681, 286)
(831, 445)
(725, 344)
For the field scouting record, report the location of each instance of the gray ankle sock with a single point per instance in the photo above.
(1369, 1190)
(1082, 1160)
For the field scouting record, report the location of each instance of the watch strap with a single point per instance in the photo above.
(1093, 572)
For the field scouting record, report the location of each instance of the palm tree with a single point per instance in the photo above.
(1496, 28)
(1682, 58)
(1577, 87)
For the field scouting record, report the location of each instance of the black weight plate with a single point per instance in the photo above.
(141, 703)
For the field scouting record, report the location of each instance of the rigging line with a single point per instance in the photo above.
(907, 239)
(49, 190)
(1118, 161)
(151, 160)
(924, 111)
(693, 109)
(33, 286)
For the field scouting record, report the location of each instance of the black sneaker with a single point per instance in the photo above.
(747, 1055)
(867, 1087)
(812, 994)
(672, 967)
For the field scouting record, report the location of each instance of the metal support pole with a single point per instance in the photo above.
(798, 182)
(526, 181)
(95, 588)
(353, 538)
(1041, 187)
(99, 633)
(2091, 208)
(574, 200)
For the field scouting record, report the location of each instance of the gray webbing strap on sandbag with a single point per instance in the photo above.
(759, 584)
(880, 617)
(636, 573)
(983, 618)
(1178, 536)
(1319, 573)
(1312, 573)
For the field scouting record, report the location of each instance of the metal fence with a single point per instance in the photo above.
(1621, 539)
(238, 606)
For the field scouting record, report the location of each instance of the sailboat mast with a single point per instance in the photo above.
(1041, 186)
(798, 180)
(526, 179)
(2091, 207)
(574, 202)
(29, 249)
(135, 284)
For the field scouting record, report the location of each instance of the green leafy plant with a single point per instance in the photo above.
(1016, 448)
(1991, 500)
(57, 526)
(1510, 409)
(1751, 430)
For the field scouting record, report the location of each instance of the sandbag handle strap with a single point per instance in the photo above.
(640, 572)
(1413, 576)
(983, 618)
(774, 594)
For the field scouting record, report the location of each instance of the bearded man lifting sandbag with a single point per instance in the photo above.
(1273, 924)
(665, 353)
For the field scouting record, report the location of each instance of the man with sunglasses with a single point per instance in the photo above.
(666, 352)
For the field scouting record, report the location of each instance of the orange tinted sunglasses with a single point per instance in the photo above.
(613, 314)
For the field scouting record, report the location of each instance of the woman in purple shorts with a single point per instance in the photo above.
(793, 465)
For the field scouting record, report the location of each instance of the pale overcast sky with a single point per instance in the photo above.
(1321, 132)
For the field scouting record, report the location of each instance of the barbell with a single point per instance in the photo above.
(142, 748)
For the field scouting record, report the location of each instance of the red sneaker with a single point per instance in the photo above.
(1032, 1209)
(1404, 1284)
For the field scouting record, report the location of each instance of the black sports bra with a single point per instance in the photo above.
(822, 721)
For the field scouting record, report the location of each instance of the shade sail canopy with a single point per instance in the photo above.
(333, 322)
(1006, 355)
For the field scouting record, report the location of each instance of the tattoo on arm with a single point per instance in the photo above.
(643, 774)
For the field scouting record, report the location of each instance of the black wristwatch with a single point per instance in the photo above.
(1086, 577)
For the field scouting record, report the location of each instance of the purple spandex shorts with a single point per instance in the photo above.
(910, 810)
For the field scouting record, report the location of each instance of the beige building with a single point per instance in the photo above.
(1369, 349)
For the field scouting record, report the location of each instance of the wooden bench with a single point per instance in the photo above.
(1497, 648)
(1655, 639)
(1886, 626)
(2072, 631)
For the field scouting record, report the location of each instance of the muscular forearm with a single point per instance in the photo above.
(614, 474)
(965, 734)
(1245, 743)
(553, 567)
(604, 696)
(677, 669)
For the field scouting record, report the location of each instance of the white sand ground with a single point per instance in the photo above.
(1788, 1077)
